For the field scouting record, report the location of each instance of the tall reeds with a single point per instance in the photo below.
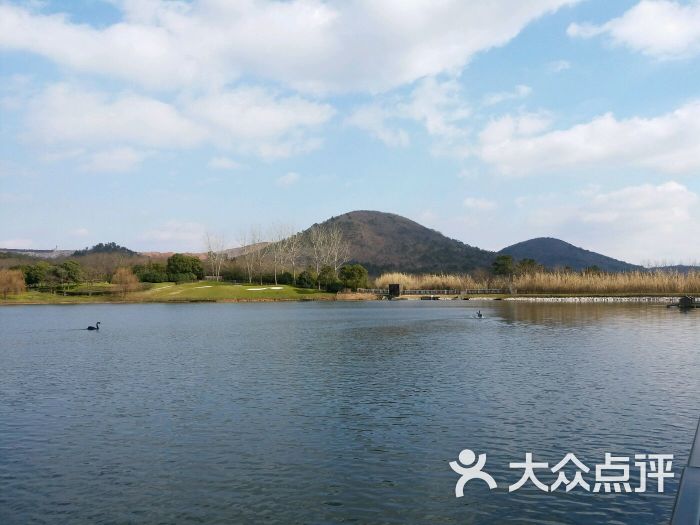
(638, 282)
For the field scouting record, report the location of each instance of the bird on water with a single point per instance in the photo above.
(96, 327)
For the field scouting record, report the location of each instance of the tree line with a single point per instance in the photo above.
(317, 258)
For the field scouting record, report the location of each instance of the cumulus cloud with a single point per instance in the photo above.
(287, 180)
(16, 243)
(223, 163)
(634, 223)
(251, 120)
(521, 91)
(68, 114)
(658, 28)
(175, 235)
(477, 204)
(309, 44)
(374, 120)
(667, 143)
(80, 232)
(558, 66)
(114, 160)
(438, 106)
(255, 120)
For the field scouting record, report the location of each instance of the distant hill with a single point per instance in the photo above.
(110, 247)
(41, 254)
(555, 253)
(235, 252)
(680, 268)
(384, 242)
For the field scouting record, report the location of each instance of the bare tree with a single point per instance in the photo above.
(337, 249)
(318, 240)
(257, 250)
(125, 281)
(293, 248)
(246, 254)
(216, 254)
(11, 281)
(278, 247)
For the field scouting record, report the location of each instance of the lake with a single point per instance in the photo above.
(336, 412)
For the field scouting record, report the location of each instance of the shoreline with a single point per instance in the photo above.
(564, 299)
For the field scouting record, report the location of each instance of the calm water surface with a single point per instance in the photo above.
(335, 413)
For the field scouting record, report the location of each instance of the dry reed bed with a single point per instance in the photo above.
(657, 282)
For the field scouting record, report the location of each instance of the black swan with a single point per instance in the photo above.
(96, 327)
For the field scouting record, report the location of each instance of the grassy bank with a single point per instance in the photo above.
(187, 292)
(558, 283)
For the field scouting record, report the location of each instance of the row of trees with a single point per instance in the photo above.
(285, 251)
(316, 259)
(44, 274)
(506, 265)
(178, 268)
(52, 276)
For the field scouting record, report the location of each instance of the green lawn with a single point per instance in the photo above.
(171, 292)
(213, 291)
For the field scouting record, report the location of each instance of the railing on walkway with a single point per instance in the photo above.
(475, 291)
(687, 508)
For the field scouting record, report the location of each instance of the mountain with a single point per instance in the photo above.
(235, 252)
(110, 247)
(385, 242)
(680, 268)
(554, 253)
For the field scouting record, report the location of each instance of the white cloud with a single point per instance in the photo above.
(80, 232)
(427, 217)
(658, 28)
(309, 44)
(287, 180)
(477, 204)
(248, 120)
(667, 143)
(636, 223)
(254, 120)
(467, 174)
(558, 66)
(521, 91)
(373, 119)
(65, 114)
(14, 91)
(114, 160)
(223, 163)
(176, 235)
(437, 105)
(16, 243)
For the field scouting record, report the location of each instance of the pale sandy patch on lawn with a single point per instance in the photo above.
(197, 287)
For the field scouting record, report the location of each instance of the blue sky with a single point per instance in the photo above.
(152, 122)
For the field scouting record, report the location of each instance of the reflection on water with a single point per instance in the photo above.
(326, 413)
